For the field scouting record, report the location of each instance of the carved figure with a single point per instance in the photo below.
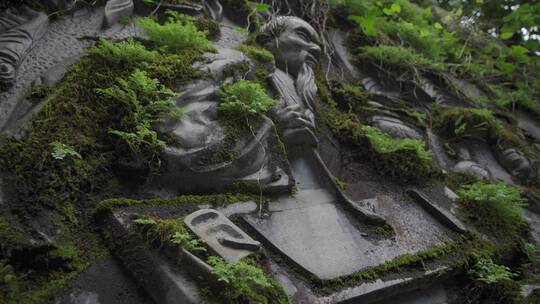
(19, 30)
(117, 9)
(518, 165)
(258, 158)
(295, 45)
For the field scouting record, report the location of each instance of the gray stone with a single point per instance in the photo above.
(527, 290)
(117, 9)
(312, 232)
(164, 282)
(55, 74)
(221, 235)
(473, 168)
(518, 165)
(19, 32)
(439, 212)
(395, 127)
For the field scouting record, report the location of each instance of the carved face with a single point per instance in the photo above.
(296, 43)
(519, 165)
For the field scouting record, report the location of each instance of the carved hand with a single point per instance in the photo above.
(293, 117)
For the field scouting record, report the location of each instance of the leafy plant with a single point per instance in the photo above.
(484, 270)
(61, 151)
(186, 241)
(246, 282)
(129, 54)
(145, 102)
(497, 209)
(245, 98)
(177, 34)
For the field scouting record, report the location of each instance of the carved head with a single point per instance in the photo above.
(518, 164)
(293, 42)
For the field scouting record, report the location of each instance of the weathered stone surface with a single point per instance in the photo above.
(164, 282)
(438, 210)
(104, 282)
(312, 232)
(221, 235)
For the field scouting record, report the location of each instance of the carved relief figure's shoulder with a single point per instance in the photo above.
(226, 63)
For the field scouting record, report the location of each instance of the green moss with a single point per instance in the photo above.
(175, 69)
(179, 33)
(402, 159)
(346, 126)
(246, 281)
(210, 27)
(482, 124)
(497, 210)
(399, 56)
(385, 144)
(403, 262)
(214, 200)
(245, 99)
(264, 62)
(257, 53)
(168, 231)
(340, 184)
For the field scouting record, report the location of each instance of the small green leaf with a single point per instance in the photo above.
(61, 151)
(520, 53)
(367, 23)
(506, 35)
(262, 7)
(438, 26)
(395, 8)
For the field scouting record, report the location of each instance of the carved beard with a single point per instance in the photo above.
(306, 86)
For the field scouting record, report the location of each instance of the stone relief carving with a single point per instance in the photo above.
(19, 30)
(294, 45)
(116, 9)
(512, 160)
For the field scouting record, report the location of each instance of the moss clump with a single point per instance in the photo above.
(402, 159)
(346, 126)
(246, 282)
(399, 56)
(168, 231)
(497, 210)
(476, 123)
(214, 200)
(257, 53)
(179, 33)
(208, 26)
(245, 99)
(385, 144)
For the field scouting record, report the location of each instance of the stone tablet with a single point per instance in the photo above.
(221, 235)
